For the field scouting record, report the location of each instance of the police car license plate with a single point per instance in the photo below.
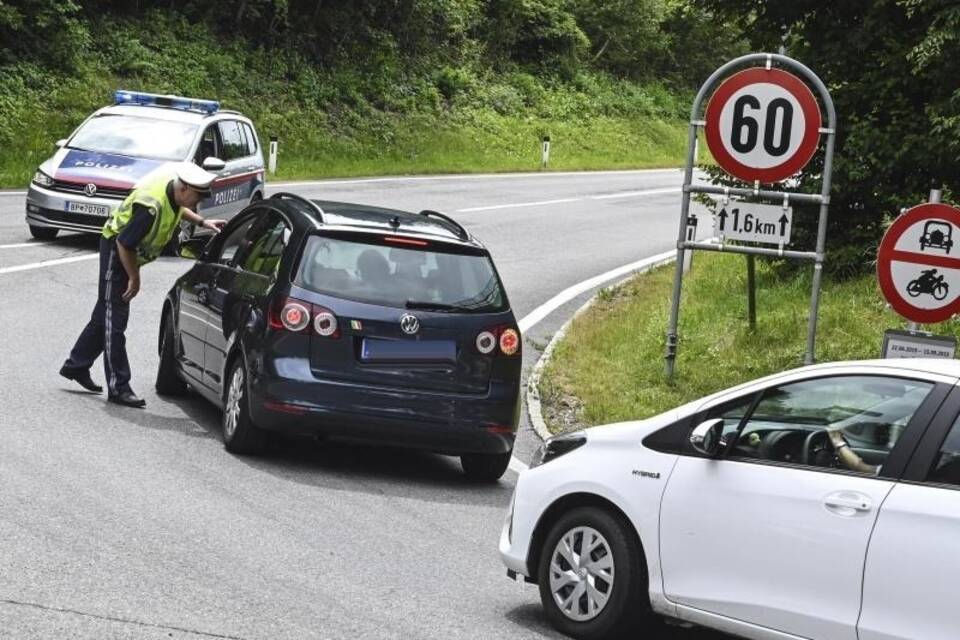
(90, 209)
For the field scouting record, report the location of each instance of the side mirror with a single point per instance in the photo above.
(59, 144)
(192, 249)
(214, 164)
(706, 437)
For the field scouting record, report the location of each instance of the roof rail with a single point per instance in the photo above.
(450, 223)
(286, 195)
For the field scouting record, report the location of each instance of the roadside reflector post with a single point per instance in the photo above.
(691, 237)
(272, 162)
(545, 152)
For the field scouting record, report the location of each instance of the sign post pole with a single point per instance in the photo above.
(762, 125)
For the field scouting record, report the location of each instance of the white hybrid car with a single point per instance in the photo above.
(821, 503)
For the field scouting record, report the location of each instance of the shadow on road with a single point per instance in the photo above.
(532, 618)
(337, 465)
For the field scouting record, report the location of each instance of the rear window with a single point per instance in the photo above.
(401, 277)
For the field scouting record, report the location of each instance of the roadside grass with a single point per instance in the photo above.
(609, 366)
(418, 145)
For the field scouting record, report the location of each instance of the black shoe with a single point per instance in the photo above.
(128, 399)
(82, 378)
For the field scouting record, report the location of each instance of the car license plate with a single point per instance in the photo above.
(90, 209)
(408, 350)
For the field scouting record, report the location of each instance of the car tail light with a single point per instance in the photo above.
(509, 342)
(325, 323)
(291, 314)
(486, 342)
(507, 338)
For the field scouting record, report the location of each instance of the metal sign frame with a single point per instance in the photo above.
(823, 198)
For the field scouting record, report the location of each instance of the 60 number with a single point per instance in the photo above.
(743, 122)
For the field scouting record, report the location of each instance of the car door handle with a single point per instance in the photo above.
(848, 503)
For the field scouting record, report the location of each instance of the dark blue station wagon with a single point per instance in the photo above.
(350, 322)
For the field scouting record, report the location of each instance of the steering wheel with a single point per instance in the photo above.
(818, 450)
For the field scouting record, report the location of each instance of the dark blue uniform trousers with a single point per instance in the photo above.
(105, 331)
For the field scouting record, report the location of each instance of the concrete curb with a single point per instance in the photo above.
(534, 410)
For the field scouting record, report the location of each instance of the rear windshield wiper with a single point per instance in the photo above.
(433, 306)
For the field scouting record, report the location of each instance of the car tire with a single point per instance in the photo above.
(613, 603)
(485, 467)
(43, 233)
(240, 435)
(169, 382)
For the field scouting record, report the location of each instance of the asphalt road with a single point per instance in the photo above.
(119, 523)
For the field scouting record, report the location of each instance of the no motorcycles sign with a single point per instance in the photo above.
(918, 263)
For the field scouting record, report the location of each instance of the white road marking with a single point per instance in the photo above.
(49, 263)
(634, 194)
(568, 294)
(518, 205)
(22, 244)
(606, 196)
(518, 465)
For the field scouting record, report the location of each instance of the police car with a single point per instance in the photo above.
(101, 162)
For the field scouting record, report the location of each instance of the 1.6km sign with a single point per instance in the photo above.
(750, 222)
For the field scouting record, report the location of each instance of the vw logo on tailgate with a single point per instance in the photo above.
(409, 323)
(90, 190)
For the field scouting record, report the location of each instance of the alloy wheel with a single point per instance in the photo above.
(581, 573)
(231, 413)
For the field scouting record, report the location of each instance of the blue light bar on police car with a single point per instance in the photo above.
(174, 102)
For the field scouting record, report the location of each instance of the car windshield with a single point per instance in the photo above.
(401, 277)
(135, 136)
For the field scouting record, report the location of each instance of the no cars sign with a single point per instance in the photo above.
(918, 263)
(762, 125)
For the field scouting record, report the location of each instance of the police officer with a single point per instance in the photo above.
(134, 235)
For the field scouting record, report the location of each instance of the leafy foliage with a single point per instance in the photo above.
(891, 68)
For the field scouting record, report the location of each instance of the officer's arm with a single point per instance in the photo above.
(128, 258)
(127, 242)
(193, 218)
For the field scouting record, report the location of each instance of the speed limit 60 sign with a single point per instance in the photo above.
(762, 125)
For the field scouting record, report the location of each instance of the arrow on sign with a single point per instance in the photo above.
(723, 218)
(783, 224)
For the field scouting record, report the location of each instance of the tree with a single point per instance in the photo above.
(625, 35)
(891, 68)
